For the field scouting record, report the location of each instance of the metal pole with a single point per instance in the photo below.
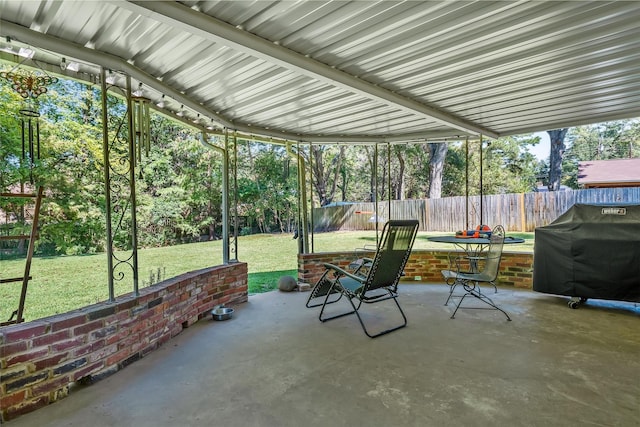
(107, 184)
(132, 187)
(298, 231)
(225, 193)
(481, 184)
(302, 228)
(27, 268)
(310, 196)
(137, 114)
(375, 189)
(235, 193)
(302, 177)
(225, 202)
(389, 179)
(466, 184)
(227, 238)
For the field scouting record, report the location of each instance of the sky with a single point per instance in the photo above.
(541, 151)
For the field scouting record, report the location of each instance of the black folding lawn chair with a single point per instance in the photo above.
(375, 280)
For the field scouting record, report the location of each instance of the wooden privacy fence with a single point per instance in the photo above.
(516, 212)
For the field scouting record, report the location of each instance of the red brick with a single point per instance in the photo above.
(50, 361)
(88, 327)
(67, 322)
(26, 357)
(50, 338)
(91, 369)
(24, 331)
(116, 318)
(103, 353)
(129, 341)
(118, 357)
(13, 348)
(25, 407)
(122, 334)
(13, 399)
(65, 345)
(96, 345)
(49, 386)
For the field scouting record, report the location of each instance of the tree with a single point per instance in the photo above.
(398, 176)
(508, 167)
(268, 190)
(437, 155)
(326, 175)
(70, 170)
(610, 140)
(556, 138)
(10, 138)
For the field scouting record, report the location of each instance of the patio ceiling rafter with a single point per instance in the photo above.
(69, 49)
(212, 29)
(351, 72)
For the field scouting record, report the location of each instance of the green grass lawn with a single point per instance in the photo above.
(61, 284)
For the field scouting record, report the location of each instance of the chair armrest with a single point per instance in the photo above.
(361, 266)
(342, 272)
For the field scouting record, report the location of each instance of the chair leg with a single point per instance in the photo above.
(452, 288)
(495, 288)
(473, 290)
(326, 302)
(364, 328)
(356, 310)
(310, 305)
(322, 287)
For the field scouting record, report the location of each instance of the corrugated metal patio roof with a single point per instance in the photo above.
(351, 71)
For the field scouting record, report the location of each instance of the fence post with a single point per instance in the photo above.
(523, 217)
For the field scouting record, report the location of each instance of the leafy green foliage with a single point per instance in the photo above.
(508, 167)
(267, 187)
(611, 140)
(179, 180)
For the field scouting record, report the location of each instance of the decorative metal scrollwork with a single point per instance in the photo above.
(231, 147)
(28, 84)
(120, 163)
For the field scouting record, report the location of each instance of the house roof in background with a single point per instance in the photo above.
(350, 71)
(609, 173)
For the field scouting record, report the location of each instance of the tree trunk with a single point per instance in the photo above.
(437, 154)
(326, 181)
(345, 184)
(555, 158)
(399, 181)
(373, 187)
(336, 164)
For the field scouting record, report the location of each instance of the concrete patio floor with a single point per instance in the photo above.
(275, 364)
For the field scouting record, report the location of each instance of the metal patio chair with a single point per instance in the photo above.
(470, 281)
(380, 283)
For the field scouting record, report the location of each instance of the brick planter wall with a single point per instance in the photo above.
(41, 359)
(516, 268)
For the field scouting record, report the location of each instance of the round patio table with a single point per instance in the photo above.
(471, 240)
(472, 246)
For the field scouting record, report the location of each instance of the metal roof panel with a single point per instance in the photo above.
(354, 69)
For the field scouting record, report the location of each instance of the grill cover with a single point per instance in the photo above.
(590, 251)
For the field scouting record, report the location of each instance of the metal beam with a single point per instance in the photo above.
(210, 28)
(112, 62)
